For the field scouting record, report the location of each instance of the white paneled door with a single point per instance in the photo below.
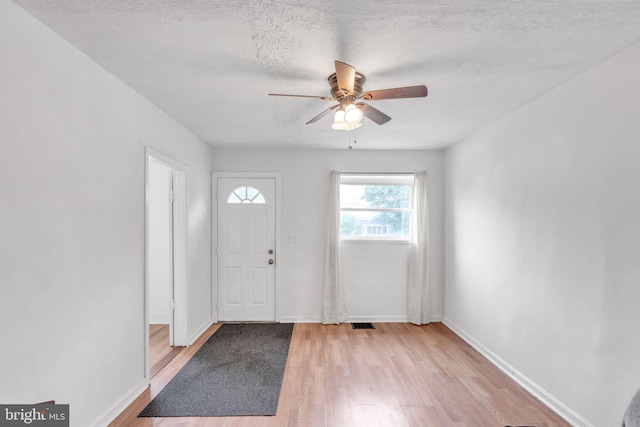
(246, 249)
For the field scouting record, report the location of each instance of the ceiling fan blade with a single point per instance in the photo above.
(346, 76)
(321, 115)
(326, 98)
(373, 113)
(395, 93)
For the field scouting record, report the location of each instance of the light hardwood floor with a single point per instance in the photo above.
(396, 375)
(160, 352)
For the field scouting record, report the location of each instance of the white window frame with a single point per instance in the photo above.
(379, 179)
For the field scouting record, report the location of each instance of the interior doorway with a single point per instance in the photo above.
(160, 246)
(165, 259)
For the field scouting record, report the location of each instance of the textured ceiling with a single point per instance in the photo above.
(210, 64)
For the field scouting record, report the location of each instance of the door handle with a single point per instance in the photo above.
(271, 261)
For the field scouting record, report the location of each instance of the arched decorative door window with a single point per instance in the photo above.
(246, 194)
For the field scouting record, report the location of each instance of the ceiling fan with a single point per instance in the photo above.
(346, 88)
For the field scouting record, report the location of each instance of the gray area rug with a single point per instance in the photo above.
(237, 372)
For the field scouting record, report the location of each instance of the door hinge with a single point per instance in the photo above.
(172, 196)
(172, 304)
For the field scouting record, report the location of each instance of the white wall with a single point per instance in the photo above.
(72, 158)
(160, 234)
(376, 282)
(375, 277)
(543, 237)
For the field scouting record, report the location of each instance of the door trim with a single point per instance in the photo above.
(179, 251)
(214, 235)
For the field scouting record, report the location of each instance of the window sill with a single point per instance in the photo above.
(376, 241)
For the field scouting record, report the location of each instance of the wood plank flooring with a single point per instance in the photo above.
(396, 375)
(160, 352)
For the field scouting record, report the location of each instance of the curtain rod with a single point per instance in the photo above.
(377, 173)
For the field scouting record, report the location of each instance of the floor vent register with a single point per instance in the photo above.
(362, 326)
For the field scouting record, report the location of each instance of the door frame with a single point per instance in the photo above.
(179, 247)
(214, 235)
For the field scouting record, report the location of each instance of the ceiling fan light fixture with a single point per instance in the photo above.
(338, 120)
(352, 114)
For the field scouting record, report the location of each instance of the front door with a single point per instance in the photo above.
(246, 249)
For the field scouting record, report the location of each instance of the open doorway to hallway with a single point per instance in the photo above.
(165, 283)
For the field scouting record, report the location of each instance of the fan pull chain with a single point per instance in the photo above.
(354, 139)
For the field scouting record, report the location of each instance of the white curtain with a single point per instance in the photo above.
(418, 286)
(334, 307)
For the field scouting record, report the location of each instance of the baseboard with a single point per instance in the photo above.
(403, 318)
(200, 331)
(300, 319)
(378, 319)
(121, 404)
(550, 401)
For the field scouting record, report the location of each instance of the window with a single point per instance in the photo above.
(380, 230)
(246, 195)
(375, 206)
